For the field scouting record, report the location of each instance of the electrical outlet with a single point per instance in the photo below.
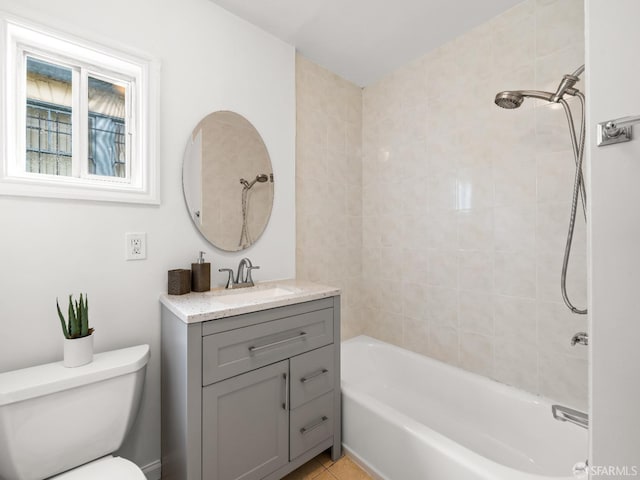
(135, 246)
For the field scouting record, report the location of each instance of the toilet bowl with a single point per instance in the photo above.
(68, 421)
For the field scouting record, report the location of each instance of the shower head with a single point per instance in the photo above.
(513, 99)
(261, 177)
(509, 100)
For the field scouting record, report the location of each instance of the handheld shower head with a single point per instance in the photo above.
(509, 100)
(513, 99)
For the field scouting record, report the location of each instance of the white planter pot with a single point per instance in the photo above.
(78, 351)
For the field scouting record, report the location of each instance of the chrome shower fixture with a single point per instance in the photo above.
(245, 236)
(566, 86)
(513, 99)
(261, 178)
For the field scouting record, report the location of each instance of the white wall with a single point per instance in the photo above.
(50, 248)
(614, 235)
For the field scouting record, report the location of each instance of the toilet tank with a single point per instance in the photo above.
(54, 418)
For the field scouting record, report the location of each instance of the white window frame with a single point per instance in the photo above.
(137, 73)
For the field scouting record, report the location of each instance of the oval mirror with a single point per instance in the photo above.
(228, 181)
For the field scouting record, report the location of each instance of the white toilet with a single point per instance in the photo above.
(65, 422)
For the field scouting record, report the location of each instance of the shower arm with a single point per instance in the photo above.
(578, 71)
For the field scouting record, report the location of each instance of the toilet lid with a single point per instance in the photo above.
(106, 468)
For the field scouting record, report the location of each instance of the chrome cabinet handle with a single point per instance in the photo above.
(285, 404)
(313, 426)
(299, 336)
(314, 375)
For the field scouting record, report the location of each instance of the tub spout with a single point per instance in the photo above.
(566, 414)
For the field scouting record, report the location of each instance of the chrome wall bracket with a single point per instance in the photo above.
(616, 131)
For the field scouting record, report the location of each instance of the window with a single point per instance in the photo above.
(79, 119)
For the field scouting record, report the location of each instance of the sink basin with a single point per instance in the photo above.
(251, 295)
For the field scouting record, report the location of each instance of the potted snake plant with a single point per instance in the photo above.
(78, 338)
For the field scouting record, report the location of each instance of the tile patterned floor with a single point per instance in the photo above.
(323, 468)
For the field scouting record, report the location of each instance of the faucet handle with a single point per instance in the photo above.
(230, 281)
(249, 279)
(581, 337)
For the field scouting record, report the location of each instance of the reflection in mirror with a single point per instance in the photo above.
(228, 181)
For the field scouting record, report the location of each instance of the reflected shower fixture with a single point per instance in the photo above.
(262, 177)
(512, 99)
(245, 238)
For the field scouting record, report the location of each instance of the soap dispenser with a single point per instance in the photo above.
(201, 275)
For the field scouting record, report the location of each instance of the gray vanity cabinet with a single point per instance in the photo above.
(252, 396)
(245, 424)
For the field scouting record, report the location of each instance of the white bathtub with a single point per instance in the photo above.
(409, 417)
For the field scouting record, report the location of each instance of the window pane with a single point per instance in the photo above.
(48, 141)
(107, 139)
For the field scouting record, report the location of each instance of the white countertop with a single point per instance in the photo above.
(219, 303)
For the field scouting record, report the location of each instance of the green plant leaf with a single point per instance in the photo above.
(74, 326)
(84, 318)
(62, 321)
(86, 313)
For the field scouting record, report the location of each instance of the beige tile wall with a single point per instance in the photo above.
(329, 185)
(466, 205)
(455, 221)
(233, 149)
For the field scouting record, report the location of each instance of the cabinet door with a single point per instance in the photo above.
(245, 431)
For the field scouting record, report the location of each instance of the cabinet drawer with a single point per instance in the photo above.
(237, 351)
(311, 424)
(312, 375)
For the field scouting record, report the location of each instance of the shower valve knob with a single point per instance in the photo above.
(581, 337)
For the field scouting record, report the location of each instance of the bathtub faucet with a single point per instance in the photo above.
(566, 414)
(581, 337)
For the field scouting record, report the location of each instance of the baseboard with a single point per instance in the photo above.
(372, 472)
(153, 471)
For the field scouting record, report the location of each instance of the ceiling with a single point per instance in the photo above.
(362, 40)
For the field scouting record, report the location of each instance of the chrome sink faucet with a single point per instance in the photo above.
(243, 277)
